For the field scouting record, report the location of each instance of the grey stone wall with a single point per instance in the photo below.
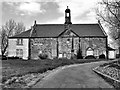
(49, 46)
(97, 44)
(43, 45)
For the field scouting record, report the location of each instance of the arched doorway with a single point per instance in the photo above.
(89, 51)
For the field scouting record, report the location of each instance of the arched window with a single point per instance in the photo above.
(89, 51)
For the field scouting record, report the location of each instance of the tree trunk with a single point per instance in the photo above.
(119, 51)
(3, 55)
(3, 51)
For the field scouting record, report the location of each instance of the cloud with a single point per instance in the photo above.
(26, 7)
(30, 7)
(19, 0)
(22, 14)
(82, 11)
(78, 9)
(60, 20)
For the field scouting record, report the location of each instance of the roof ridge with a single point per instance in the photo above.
(86, 24)
(72, 24)
(49, 24)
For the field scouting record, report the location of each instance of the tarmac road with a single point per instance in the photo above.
(74, 76)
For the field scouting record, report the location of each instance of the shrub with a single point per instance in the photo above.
(117, 56)
(43, 56)
(119, 61)
(90, 57)
(102, 56)
(66, 62)
(55, 58)
(13, 57)
(4, 58)
(79, 54)
(74, 56)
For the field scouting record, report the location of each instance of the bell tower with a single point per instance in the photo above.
(67, 16)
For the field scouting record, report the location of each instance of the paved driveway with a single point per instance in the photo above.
(74, 76)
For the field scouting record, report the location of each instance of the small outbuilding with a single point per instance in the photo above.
(111, 53)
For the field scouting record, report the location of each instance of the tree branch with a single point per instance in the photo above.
(114, 14)
(106, 20)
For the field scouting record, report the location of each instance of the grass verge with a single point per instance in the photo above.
(12, 68)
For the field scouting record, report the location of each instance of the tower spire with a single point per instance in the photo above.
(67, 16)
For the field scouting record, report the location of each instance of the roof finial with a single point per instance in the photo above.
(67, 7)
(98, 21)
(35, 22)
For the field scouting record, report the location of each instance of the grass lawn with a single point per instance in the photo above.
(20, 67)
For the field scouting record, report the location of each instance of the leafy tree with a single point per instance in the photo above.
(9, 29)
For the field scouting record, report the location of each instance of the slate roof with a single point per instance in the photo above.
(111, 49)
(53, 30)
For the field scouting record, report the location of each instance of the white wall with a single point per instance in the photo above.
(0, 51)
(111, 55)
(13, 46)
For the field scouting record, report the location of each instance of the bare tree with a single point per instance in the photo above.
(19, 28)
(9, 29)
(109, 13)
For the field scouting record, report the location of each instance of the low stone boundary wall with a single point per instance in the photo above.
(114, 82)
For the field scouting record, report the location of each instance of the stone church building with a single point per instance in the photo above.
(59, 40)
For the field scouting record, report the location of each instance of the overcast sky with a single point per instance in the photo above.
(48, 11)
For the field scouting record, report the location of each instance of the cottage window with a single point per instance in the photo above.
(19, 41)
(19, 52)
